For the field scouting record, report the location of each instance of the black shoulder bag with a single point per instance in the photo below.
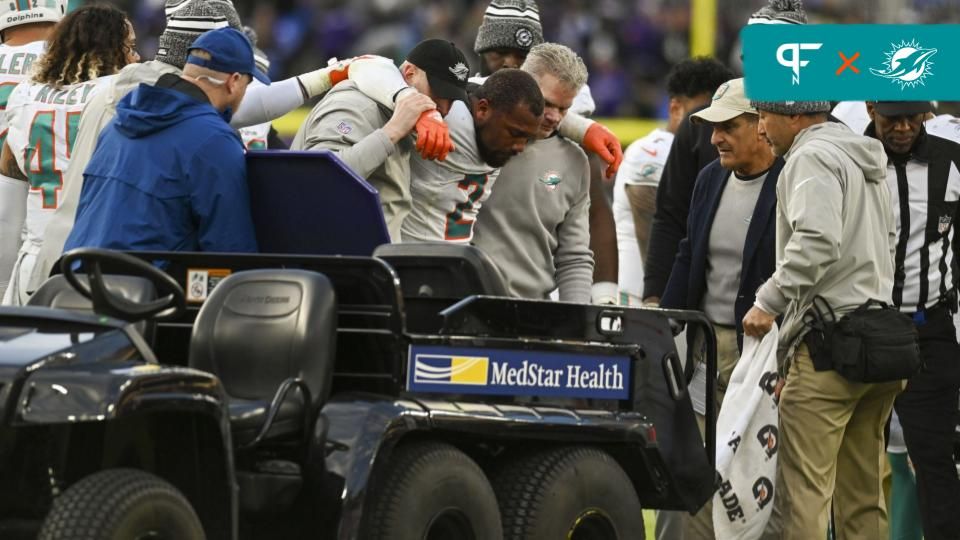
(874, 343)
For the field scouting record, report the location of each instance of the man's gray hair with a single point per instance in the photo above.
(559, 61)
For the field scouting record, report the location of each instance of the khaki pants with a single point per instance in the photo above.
(832, 448)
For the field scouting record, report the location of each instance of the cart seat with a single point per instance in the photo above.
(57, 293)
(443, 270)
(269, 335)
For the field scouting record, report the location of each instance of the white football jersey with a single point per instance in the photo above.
(255, 137)
(642, 165)
(15, 65)
(946, 126)
(43, 124)
(583, 103)
(448, 194)
(853, 114)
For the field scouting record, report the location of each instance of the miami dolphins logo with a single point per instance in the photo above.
(460, 71)
(551, 179)
(907, 64)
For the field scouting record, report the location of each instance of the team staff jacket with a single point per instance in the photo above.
(168, 174)
(536, 223)
(688, 279)
(925, 192)
(835, 228)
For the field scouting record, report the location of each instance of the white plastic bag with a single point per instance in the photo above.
(747, 443)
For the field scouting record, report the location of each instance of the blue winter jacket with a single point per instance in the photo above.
(688, 279)
(168, 174)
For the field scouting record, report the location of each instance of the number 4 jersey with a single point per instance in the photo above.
(15, 65)
(16, 61)
(447, 194)
(43, 123)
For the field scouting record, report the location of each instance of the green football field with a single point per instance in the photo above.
(648, 521)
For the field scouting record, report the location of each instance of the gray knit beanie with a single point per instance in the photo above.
(509, 24)
(780, 12)
(259, 57)
(792, 107)
(785, 12)
(186, 20)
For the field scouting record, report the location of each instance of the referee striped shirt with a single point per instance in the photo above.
(925, 191)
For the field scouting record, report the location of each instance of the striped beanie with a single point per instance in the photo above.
(259, 57)
(780, 12)
(186, 20)
(786, 12)
(793, 107)
(509, 24)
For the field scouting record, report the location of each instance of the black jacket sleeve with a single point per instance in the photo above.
(676, 294)
(274, 142)
(690, 152)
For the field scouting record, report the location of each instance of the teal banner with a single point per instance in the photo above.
(838, 62)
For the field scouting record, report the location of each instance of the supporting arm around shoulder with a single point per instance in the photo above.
(263, 104)
(380, 80)
(595, 138)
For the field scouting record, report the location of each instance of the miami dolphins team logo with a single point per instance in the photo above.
(907, 64)
(551, 179)
(460, 71)
(650, 170)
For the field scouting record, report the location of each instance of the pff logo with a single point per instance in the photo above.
(794, 62)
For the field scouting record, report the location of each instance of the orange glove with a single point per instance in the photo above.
(339, 72)
(433, 136)
(602, 142)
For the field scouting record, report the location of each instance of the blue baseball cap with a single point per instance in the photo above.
(230, 52)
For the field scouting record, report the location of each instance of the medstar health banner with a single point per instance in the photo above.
(876, 62)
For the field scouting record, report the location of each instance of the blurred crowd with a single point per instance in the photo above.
(629, 45)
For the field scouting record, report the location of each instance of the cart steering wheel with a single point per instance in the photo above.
(172, 304)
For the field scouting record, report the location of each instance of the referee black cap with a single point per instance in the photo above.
(903, 108)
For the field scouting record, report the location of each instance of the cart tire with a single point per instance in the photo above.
(576, 493)
(431, 491)
(121, 504)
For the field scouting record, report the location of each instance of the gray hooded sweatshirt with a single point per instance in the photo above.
(836, 235)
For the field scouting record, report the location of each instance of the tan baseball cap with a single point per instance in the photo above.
(729, 102)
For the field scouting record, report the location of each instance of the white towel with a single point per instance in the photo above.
(747, 443)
